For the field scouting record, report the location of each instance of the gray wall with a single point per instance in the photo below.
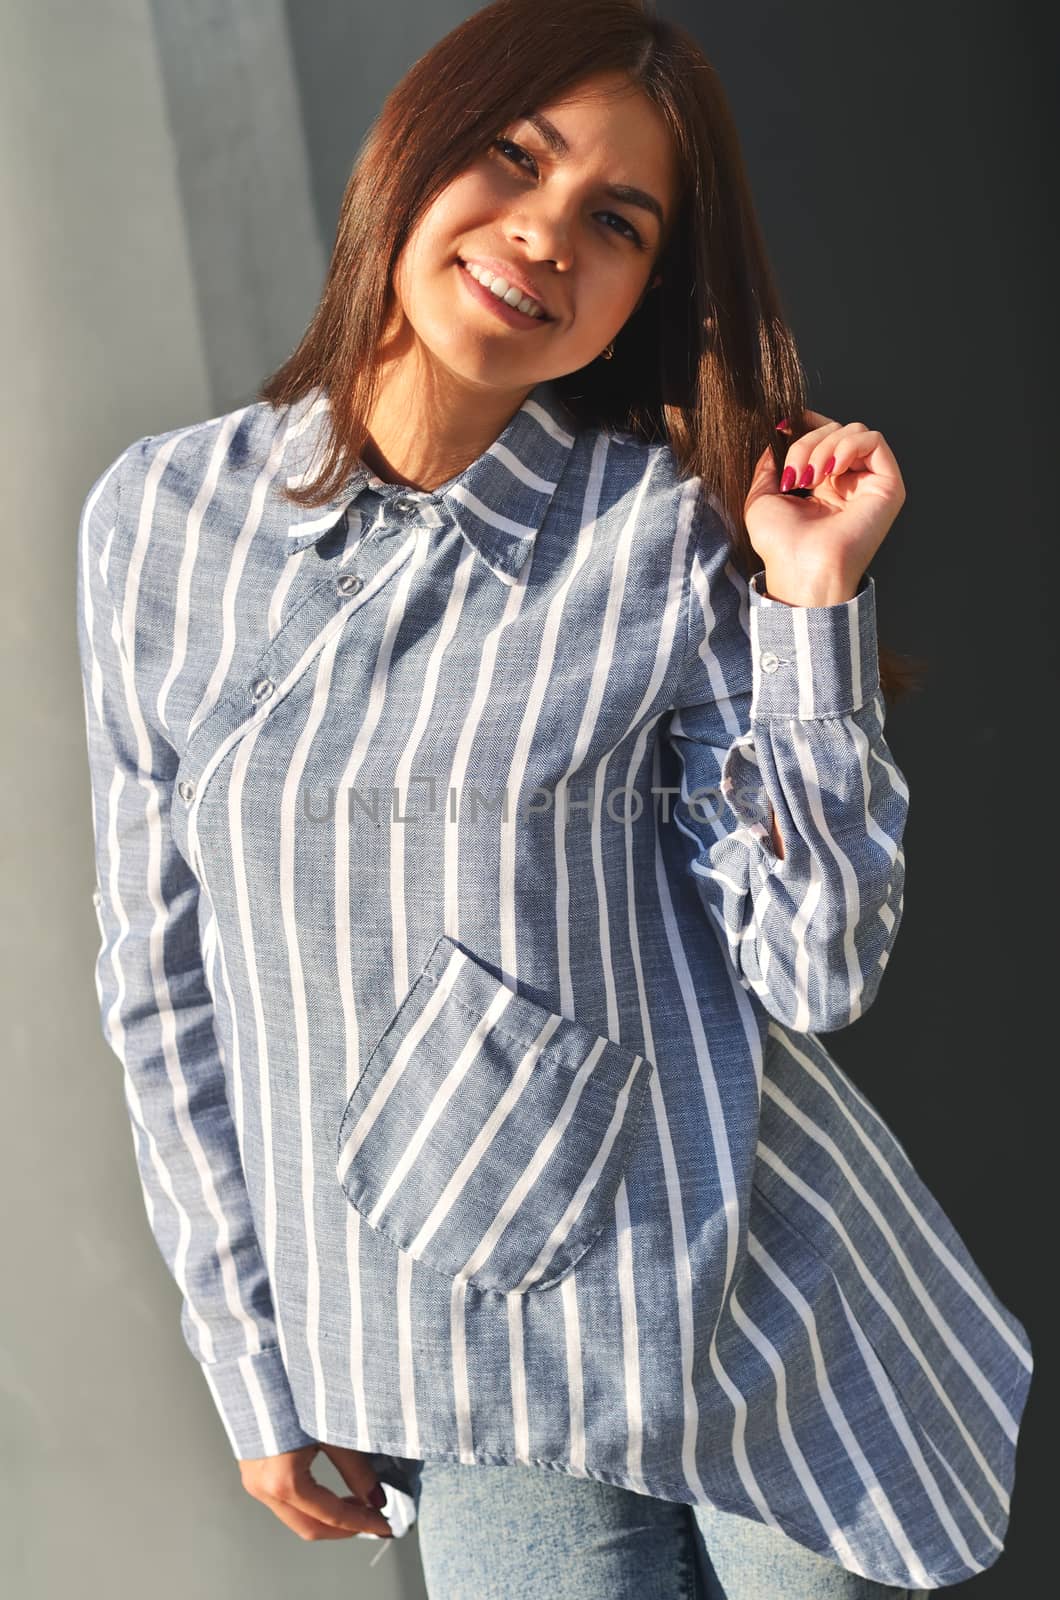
(162, 252)
(347, 57)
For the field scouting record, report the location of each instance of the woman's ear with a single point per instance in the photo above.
(653, 283)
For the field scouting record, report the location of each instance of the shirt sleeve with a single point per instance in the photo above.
(157, 1012)
(781, 714)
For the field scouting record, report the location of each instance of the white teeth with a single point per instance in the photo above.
(505, 291)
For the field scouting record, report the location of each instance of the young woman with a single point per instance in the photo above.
(492, 809)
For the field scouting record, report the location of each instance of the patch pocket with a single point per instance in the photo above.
(487, 1135)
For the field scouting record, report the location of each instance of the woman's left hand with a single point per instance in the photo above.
(815, 549)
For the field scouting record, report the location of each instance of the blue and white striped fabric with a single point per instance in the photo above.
(469, 1018)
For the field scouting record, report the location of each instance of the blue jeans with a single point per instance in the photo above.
(516, 1533)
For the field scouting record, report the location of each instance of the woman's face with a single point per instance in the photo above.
(537, 211)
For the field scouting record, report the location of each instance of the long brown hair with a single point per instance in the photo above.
(707, 362)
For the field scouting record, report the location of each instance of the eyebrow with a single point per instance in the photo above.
(618, 191)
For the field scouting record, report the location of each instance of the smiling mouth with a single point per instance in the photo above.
(512, 314)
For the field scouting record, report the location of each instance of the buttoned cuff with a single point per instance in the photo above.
(812, 661)
(253, 1398)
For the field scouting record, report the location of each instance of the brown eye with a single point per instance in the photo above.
(631, 232)
(504, 145)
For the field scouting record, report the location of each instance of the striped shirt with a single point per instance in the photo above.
(469, 1019)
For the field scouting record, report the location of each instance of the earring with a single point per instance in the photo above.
(608, 351)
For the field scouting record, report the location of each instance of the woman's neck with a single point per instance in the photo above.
(427, 426)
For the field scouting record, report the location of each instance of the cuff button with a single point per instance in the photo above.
(768, 661)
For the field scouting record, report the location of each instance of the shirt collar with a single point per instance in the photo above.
(498, 502)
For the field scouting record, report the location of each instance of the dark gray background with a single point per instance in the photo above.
(170, 177)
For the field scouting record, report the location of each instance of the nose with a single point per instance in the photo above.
(545, 233)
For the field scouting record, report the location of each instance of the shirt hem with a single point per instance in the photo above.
(430, 1452)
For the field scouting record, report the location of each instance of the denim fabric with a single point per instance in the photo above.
(510, 1533)
(470, 1021)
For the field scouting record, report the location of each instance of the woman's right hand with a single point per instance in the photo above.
(285, 1484)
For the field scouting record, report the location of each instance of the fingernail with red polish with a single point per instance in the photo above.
(829, 464)
(807, 476)
(788, 480)
(377, 1497)
(783, 423)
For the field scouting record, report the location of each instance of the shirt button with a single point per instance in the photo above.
(768, 661)
(404, 502)
(186, 790)
(261, 688)
(349, 582)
